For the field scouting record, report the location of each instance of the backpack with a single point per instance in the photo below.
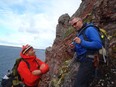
(103, 55)
(14, 79)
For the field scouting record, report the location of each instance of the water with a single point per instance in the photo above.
(8, 56)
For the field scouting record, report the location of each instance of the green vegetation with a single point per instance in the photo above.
(69, 31)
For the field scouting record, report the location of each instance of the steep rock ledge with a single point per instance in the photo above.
(102, 13)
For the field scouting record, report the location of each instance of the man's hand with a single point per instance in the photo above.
(36, 72)
(71, 45)
(42, 66)
(77, 40)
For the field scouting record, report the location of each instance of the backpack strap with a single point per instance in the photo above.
(28, 65)
(83, 32)
(37, 63)
(89, 52)
(102, 34)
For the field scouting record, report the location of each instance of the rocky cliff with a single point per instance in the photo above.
(100, 12)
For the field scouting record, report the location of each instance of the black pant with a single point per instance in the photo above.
(84, 74)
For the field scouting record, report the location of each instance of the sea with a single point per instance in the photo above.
(8, 55)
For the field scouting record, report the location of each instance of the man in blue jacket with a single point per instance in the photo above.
(85, 49)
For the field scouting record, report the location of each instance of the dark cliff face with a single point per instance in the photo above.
(101, 12)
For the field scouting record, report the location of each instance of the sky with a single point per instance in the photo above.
(32, 21)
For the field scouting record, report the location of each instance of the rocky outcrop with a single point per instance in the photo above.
(61, 28)
(103, 14)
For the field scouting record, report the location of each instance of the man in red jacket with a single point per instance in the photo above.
(31, 76)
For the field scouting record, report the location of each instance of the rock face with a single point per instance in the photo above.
(103, 14)
(61, 28)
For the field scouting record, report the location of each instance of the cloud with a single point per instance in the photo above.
(32, 21)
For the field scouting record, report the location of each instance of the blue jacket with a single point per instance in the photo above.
(91, 45)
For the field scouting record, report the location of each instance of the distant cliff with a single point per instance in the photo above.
(103, 14)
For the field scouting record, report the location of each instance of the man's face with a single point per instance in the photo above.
(31, 52)
(76, 23)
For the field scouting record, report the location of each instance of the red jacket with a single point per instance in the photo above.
(26, 74)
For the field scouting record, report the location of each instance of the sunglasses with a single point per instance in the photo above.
(74, 24)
